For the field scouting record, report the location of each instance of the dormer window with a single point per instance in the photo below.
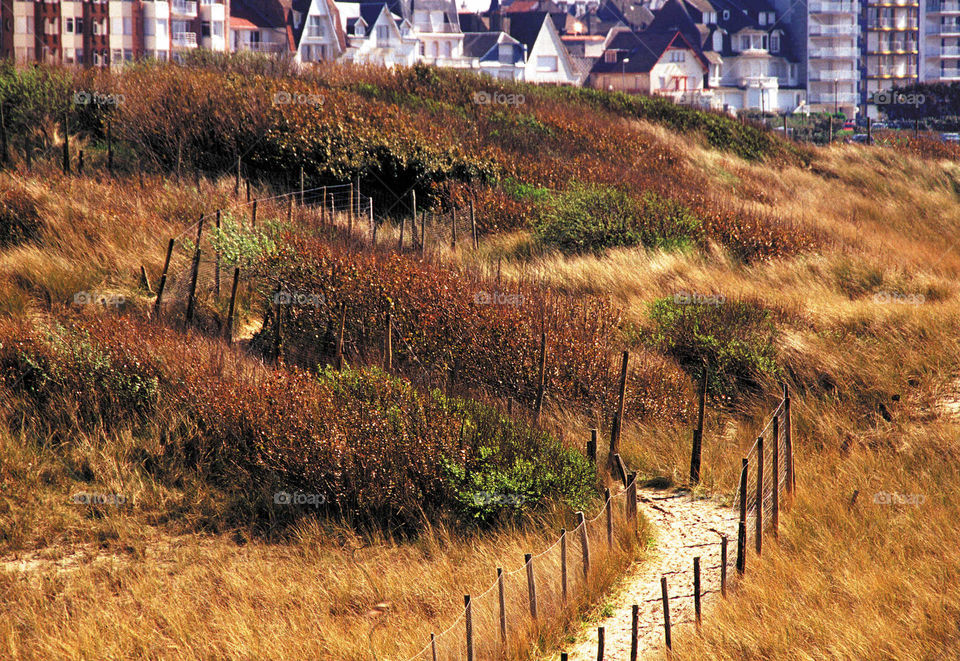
(775, 42)
(358, 30)
(763, 18)
(610, 56)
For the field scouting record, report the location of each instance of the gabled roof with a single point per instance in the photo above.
(303, 8)
(675, 16)
(526, 27)
(644, 50)
(480, 44)
(265, 14)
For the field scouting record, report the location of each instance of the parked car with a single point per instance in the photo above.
(859, 137)
(879, 126)
(849, 125)
(950, 137)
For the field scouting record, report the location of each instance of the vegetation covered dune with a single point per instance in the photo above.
(621, 223)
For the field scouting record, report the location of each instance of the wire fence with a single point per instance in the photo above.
(546, 587)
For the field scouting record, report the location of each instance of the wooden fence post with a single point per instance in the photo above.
(503, 607)
(788, 441)
(350, 213)
(592, 446)
(193, 285)
(618, 415)
(236, 179)
(403, 226)
(453, 227)
(563, 564)
(413, 215)
(759, 531)
(301, 186)
(323, 208)
(80, 163)
(696, 590)
(373, 225)
(531, 585)
(230, 309)
(620, 470)
(163, 281)
(775, 495)
(247, 182)
(433, 646)
(609, 509)
(469, 625)
(632, 501)
(600, 637)
(253, 215)
(634, 625)
(543, 375)
(698, 432)
(666, 611)
(742, 525)
(473, 226)
(723, 566)
(388, 345)
(585, 545)
(216, 271)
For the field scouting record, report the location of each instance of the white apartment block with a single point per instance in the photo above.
(940, 44)
(833, 55)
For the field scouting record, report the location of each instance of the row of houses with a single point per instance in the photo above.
(775, 55)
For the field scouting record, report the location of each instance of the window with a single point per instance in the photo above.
(315, 26)
(205, 29)
(610, 57)
(505, 53)
(218, 29)
(383, 35)
(763, 18)
(161, 29)
(744, 42)
(763, 42)
(447, 49)
(117, 55)
(677, 56)
(726, 14)
(547, 63)
(149, 28)
(78, 25)
(775, 42)
(69, 28)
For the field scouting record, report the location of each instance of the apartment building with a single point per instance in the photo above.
(889, 48)
(940, 43)
(833, 56)
(109, 32)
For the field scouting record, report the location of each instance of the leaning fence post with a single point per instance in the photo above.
(403, 226)
(584, 544)
(600, 637)
(696, 589)
(253, 215)
(742, 525)
(592, 446)
(666, 610)
(759, 502)
(634, 624)
(543, 375)
(698, 432)
(632, 500)
(531, 585)
(163, 281)
(233, 298)
(563, 564)
(503, 607)
(433, 646)
(618, 415)
(723, 566)
(468, 619)
(776, 478)
(193, 285)
(609, 511)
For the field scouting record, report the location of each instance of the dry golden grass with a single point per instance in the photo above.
(848, 580)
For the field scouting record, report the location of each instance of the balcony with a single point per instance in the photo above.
(833, 7)
(945, 51)
(890, 72)
(943, 7)
(953, 30)
(183, 8)
(949, 73)
(831, 76)
(829, 99)
(833, 53)
(184, 39)
(893, 47)
(876, 24)
(818, 29)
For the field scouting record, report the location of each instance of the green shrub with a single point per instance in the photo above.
(735, 338)
(597, 218)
